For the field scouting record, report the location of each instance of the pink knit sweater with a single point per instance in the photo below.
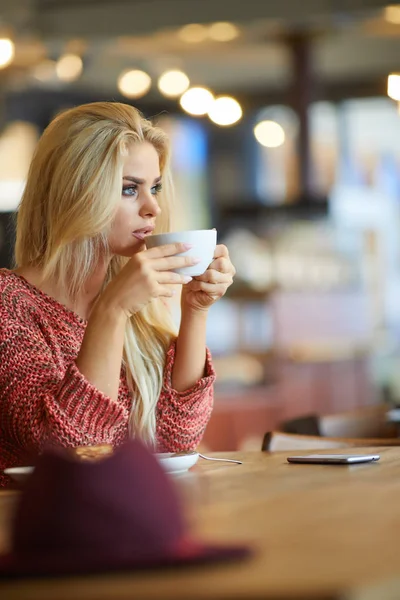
(44, 397)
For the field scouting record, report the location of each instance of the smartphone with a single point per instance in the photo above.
(334, 459)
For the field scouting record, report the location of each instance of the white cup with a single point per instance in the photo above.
(202, 240)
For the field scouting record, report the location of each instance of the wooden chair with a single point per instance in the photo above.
(365, 422)
(276, 441)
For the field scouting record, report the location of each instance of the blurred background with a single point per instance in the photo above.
(285, 126)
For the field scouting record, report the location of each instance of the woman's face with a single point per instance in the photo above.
(138, 208)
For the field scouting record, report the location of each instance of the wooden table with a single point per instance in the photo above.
(318, 531)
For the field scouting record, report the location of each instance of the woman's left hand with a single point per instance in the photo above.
(209, 287)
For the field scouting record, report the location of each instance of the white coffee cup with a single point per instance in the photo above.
(202, 240)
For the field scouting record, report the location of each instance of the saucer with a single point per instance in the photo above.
(171, 462)
(175, 463)
(19, 474)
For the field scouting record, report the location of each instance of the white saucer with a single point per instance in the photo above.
(170, 462)
(177, 463)
(19, 474)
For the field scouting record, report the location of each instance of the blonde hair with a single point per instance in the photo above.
(69, 202)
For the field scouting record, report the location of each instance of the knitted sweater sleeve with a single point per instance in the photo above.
(183, 416)
(41, 402)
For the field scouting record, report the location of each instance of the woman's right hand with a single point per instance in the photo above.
(146, 276)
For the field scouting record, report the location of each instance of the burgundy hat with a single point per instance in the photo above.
(119, 513)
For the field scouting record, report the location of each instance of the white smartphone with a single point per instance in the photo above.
(334, 459)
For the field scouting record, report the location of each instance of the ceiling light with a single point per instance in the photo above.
(17, 144)
(223, 32)
(10, 195)
(269, 134)
(193, 33)
(392, 14)
(7, 51)
(173, 83)
(134, 84)
(225, 111)
(393, 87)
(45, 70)
(197, 101)
(69, 67)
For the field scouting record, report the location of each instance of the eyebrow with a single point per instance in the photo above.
(138, 180)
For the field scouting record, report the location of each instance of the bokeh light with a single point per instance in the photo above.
(225, 111)
(223, 31)
(134, 83)
(269, 134)
(69, 67)
(197, 101)
(173, 83)
(7, 51)
(194, 33)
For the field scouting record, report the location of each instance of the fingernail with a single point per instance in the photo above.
(187, 278)
(187, 246)
(195, 260)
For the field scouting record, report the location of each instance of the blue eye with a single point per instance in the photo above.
(156, 189)
(129, 190)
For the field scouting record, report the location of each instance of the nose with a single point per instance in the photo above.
(150, 206)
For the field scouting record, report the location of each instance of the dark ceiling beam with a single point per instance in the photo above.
(134, 17)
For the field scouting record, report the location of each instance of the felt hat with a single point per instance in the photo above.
(116, 514)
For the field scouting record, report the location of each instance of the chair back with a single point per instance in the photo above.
(365, 422)
(305, 425)
(276, 441)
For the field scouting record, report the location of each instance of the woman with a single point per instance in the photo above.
(88, 353)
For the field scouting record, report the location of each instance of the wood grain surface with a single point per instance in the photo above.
(318, 531)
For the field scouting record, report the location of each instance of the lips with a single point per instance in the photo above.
(140, 234)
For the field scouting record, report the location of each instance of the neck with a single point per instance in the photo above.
(84, 302)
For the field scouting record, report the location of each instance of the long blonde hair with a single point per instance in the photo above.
(69, 202)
